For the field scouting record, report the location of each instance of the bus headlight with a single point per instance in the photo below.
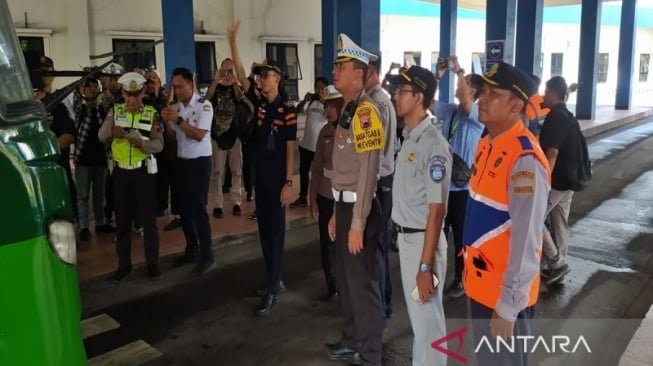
(62, 239)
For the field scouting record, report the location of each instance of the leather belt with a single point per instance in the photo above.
(407, 230)
(140, 164)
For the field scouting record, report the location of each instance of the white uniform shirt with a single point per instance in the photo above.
(199, 114)
(315, 120)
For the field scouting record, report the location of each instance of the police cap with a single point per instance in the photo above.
(132, 82)
(505, 76)
(419, 78)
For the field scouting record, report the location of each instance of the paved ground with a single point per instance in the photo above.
(209, 321)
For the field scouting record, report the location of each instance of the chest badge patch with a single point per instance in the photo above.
(411, 157)
(364, 115)
(437, 168)
(367, 129)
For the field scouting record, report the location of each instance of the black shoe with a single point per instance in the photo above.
(106, 228)
(331, 295)
(262, 291)
(266, 304)
(154, 272)
(249, 198)
(237, 211)
(225, 189)
(85, 235)
(556, 275)
(253, 216)
(174, 224)
(338, 352)
(217, 213)
(203, 268)
(185, 259)
(456, 289)
(121, 275)
(300, 202)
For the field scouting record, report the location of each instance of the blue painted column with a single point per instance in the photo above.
(329, 24)
(500, 26)
(590, 23)
(626, 54)
(179, 34)
(448, 20)
(361, 21)
(528, 43)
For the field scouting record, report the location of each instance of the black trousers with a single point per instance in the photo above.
(384, 193)
(167, 194)
(193, 177)
(248, 166)
(109, 208)
(481, 315)
(305, 160)
(455, 220)
(271, 225)
(358, 279)
(327, 247)
(135, 201)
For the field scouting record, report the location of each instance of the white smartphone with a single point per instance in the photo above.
(415, 293)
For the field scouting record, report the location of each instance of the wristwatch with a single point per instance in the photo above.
(425, 267)
(289, 182)
(461, 71)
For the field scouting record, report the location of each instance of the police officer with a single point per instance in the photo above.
(135, 134)
(190, 121)
(356, 223)
(419, 204)
(505, 216)
(276, 132)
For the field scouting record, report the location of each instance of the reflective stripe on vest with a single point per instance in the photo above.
(121, 149)
(487, 225)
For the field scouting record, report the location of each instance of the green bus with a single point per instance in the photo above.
(40, 306)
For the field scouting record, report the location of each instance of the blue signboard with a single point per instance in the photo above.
(494, 52)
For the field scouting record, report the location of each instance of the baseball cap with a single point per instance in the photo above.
(420, 78)
(505, 76)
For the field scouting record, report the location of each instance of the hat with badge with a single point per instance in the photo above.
(267, 65)
(347, 50)
(330, 93)
(132, 82)
(505, 76)
(113, 69)
(420, 78)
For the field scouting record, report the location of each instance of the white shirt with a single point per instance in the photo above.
(315, 120)
(199, 114)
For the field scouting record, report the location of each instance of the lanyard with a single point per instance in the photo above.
(452, 127)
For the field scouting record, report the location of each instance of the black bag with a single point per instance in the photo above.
(460, 172)
(580, 177)
(244, 118)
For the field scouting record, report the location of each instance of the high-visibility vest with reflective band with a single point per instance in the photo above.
(121, 149)
(487, 228)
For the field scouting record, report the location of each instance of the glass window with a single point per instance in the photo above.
(317, 59)
(603, 67)
(285, 54)
(412, 58)
(434, 61)
(205, 63)
(33, 48)
(478, 62)
(556, 64)
(145, 59)
(644, 60)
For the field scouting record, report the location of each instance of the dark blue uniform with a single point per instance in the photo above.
(276, 125)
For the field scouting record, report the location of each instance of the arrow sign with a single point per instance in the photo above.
(494, 50)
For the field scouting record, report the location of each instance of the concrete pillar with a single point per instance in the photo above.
(179, 34)
(500, 27)
(79, 34)
(329, 34)
(626, 54)
(590, 25)
(448, 20)
(528, 50)
(361, 21)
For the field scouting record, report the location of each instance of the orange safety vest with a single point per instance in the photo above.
(488, 225)
(534, 110)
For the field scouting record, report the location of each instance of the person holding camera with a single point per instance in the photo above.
(460, 126)
(223, 93)
(315, 118)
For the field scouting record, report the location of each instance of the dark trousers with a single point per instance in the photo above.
(481, 316)
(358, 280)
(384, 193)
(305, 160)
(271, 226)
(327, 247)
(135, 200)
(166, 187)
(248, 166)
(456, 208)
(109, 208)
(193, 177)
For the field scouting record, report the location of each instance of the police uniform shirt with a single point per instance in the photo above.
(422, 175)
(276, 125)
(356, 158)
(389, 119)
(199, 114)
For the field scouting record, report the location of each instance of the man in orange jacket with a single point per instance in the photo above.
(505, 217)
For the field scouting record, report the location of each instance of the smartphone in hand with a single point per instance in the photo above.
(415, 293)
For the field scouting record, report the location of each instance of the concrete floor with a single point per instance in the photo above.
(209, 321)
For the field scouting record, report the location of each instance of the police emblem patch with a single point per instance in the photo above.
(411, 157)
(364, 117)
(260, 123)
(280, 110)
(437, 168)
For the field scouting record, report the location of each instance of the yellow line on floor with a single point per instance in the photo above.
(132, 354)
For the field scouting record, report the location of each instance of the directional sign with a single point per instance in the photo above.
(494, 52)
